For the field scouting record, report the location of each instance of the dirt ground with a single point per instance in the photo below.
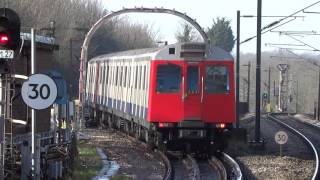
(134, 159)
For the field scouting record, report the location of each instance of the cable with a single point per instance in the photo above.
(278, 21)
(267, 31)
(303, 43)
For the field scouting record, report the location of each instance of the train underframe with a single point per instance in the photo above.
(200, 138)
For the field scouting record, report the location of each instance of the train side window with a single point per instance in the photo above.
(114, 75)
(110, 75)
(168, 78)
(140, 79)
(101, 74)
(136, 79)
(104, 74)
(107, 73)
(144, 77)
(217, 79)
(121, 75)
(129, 76)
(125, 77)
(116, 80)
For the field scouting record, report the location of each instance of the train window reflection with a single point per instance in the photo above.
(168, 78)
(217, 79)
(192, 79)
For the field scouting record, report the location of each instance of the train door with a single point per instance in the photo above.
(191, 94)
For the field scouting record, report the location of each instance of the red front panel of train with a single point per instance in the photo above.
(218, 101)
(181, 90)
(165, 93)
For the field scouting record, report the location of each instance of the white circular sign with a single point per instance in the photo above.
(281, 137)
(39, 92)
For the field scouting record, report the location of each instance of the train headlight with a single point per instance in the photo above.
(221, 125)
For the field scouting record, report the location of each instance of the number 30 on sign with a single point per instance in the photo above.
(39, 92)
(281, 137)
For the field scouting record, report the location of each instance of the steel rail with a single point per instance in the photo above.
(168, 174)
(218, 165)
(195, 173)
(316, 171)
(236, 170)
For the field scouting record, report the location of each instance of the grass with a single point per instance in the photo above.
(87, 164)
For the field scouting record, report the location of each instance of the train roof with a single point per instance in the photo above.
(178, 51)
(134, 52)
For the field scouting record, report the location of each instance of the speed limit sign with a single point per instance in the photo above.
(39, 92)
(281, 137)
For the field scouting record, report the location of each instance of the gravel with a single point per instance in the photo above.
(297, 161)
(136, 162)
(134, 159)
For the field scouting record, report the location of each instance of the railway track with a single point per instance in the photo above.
(233, 168)
(179, 167)
(203, 169)
(310, 134)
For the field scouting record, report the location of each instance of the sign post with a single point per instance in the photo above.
(38, 92)
(33, 58)
(281, 138)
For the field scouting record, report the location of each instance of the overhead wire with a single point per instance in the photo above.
(278, 21)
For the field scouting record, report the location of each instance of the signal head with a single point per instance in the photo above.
(9, 29)
(4, 39)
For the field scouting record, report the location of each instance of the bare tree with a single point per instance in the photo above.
(186, 33)
(73, 18)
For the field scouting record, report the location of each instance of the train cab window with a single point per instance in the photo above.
(168, 78)
(193, 79)
(217, 79)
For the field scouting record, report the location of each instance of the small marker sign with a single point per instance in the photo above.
(281, 138)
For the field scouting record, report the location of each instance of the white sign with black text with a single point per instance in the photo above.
(39, 92)
(281, 137)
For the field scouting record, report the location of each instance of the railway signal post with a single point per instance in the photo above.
(9, 42)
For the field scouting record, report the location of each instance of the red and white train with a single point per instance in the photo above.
(177, 95)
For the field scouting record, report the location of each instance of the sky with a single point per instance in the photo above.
(204, 11)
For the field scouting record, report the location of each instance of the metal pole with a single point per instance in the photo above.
(318, 117)
(297, 97)
(248, 95)
(237, 69)
(279, 96)
(258, 73)
(2, 144)
(33, 51)
(269, 85)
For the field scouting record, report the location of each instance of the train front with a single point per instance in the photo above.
(191, 98)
